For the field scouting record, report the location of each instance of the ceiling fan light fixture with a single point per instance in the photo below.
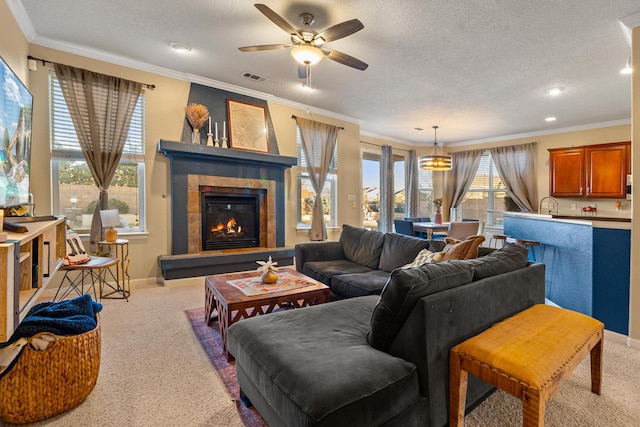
(435, 160)
(306, 54)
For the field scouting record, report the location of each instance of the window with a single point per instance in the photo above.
(76, 194)
(371, 188)
(425, 193)
(487, 196)
(306, 194)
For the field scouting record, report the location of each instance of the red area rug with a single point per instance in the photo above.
(209, 337)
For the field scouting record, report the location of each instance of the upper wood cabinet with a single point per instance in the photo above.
(592, 171)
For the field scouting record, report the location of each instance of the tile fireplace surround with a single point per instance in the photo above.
(195, 166)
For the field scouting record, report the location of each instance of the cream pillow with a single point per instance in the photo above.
(425, 256)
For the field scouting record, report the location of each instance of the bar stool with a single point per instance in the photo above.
(529, 244)
(497, 238)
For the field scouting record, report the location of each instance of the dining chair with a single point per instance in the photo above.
(403, 226)
(463, 229)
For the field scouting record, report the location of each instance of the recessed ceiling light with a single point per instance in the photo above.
(550, 119)
(180, 47)
(554, 91)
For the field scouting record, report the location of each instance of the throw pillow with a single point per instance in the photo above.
(404, 288)
(462, 249)
(362, 246)
(425, 256)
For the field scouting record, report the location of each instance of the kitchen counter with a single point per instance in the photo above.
(587, 262)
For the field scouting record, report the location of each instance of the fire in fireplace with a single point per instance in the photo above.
(230, 221)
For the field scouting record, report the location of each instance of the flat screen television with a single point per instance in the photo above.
(16, 107)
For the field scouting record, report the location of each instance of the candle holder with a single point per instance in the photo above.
(224, 143)
(210, 139)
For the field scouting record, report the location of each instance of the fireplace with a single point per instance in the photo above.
(248, 181)
(230, 221)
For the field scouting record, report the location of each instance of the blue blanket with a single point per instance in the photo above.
(70, 317)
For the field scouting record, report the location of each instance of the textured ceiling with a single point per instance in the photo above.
(477, 68)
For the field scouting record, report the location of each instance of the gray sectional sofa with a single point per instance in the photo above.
(360, 262)
(380, 360)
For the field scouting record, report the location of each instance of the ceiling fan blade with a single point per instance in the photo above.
(302, 71)
(264, 47)
(345, 59)
(340, 30)
(276, 19)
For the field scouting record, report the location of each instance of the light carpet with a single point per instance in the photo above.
(153, 371)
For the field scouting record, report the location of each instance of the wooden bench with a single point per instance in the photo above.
(527, 356)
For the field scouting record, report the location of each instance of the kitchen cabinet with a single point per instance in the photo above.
(592, 171)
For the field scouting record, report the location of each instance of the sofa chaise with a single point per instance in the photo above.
(380, 360)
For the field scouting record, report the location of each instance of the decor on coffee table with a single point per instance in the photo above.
(197, 115)
(233, 305)
(247, 126)
(268, 270)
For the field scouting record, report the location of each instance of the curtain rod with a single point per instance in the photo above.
(45, 61)
(378, 145)
(293, 116)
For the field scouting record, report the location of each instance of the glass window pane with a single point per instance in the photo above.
(371, 190)
(399, 194)
(308, 197)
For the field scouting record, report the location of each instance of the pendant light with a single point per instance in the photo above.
(435, 160)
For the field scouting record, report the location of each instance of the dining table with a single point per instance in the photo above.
(429, 228)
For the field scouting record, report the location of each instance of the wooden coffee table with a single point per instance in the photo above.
(233, 305)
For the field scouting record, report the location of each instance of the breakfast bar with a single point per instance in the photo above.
(587, 262)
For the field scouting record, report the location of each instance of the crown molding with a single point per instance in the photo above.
(632, 20)
(22, 18)
(542, 133)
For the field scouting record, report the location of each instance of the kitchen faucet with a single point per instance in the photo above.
(552, 205)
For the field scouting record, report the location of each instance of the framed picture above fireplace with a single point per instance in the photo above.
(247, 126)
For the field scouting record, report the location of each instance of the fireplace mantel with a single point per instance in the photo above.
(181, 150)
(191, 164)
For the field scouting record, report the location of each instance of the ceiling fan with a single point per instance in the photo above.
(308, 45)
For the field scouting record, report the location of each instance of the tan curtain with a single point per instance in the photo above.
(460, 178)
(101, 108)
(516, 167)
(412, 201)
(385, 224)
(318, 142)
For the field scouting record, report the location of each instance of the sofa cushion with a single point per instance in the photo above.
(461, 249)
(323, 271)
(399, 250)
(404, 288)
(503, 260)
(325, 375)
(361, 246)
(359, 284)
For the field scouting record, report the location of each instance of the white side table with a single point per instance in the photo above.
(121, 249)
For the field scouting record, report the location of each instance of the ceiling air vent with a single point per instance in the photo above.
(254, 77)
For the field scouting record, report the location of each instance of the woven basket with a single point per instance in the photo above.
(46, 383)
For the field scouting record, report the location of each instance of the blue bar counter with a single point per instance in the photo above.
(587, 263)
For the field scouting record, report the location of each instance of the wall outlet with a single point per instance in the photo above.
(574, 207)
